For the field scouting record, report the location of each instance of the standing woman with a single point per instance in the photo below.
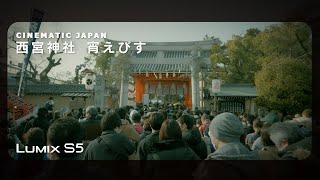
(170, 145)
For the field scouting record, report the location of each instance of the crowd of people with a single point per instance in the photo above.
(163, 133)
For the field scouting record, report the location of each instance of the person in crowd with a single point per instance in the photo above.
(257, 125)
(99, 116)
(198, 121)
(225, 131)
(146, 128)
(90, 116)
(292, 145)
(111, 145)
(156, 119)
(192, 136)
(127, 129)
(165, 113)
(80, 114)
(41, 121)
(91, 124)
(270, 119)
(34, 137)
(205, 124)
(56, 116)
(49, 105)
(268, 151)
(207, 140)
(136, 118)
(170, 145)
(249, 122)
(132, 112)
(62, 131)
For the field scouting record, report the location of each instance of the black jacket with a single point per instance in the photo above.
(195, 142)
(109, 146)
(172, 150)
(146, 145)
(144, 134)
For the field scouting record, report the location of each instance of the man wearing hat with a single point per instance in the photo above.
(225, 131)
(49, 106)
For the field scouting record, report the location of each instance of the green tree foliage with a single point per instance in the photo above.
(285, 84)
(235, 61)
(277, 60)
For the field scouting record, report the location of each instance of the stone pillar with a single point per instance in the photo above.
(124, 89)
(195, 87)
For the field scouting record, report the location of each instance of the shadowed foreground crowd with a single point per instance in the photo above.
(163, 134)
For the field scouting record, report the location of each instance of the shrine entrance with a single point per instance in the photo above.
(167, 71)
(168, 89)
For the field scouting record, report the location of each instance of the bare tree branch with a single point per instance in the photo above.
(57, 63)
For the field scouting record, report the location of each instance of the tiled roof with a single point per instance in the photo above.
(75, 94)
(163, 67)
(52, 88)
(237, 90)
(168, 54)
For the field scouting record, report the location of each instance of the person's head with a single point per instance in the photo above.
(98, 110)
(225, 128)
(147, 125)
(156, 120)
(307, 113)
(265, 136)
(62, 131)
(165, 113)
(34, 137)
(250, 119)
(80, 111)
(111, 121)
(42, 112)
(284, 134)
(257, 125)
(132, 113)
(271, 118)
(186, 122)
(136, 118)
(122, 112)
(170, 130)
(91, 112)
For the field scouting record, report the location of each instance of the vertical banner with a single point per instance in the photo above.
(36, 19)
(216, 86)
(99, 90)
(146, 99)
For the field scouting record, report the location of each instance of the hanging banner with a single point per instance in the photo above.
(216, 86)
(99, 91)
(146, 99)
(20, 108)
(35, 23)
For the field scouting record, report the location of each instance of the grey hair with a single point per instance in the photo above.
(93, 111)
(284, 131)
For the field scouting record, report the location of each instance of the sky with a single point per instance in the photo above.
(127, 31)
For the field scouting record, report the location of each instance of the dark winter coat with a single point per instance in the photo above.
(172, 150)
(146, 145)
(109, 146)
(195, 142)
(233, 151)
(144, 134)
